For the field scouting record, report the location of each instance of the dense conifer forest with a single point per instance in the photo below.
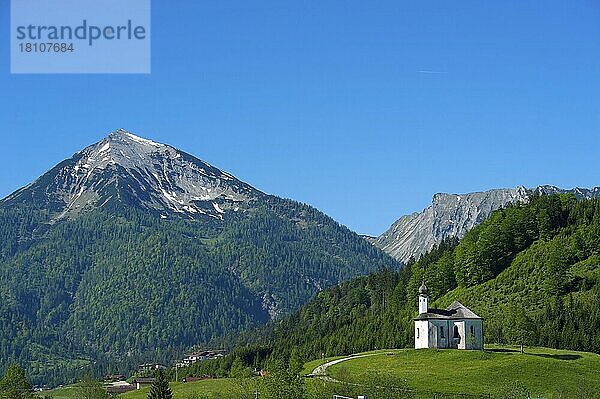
(112, 288)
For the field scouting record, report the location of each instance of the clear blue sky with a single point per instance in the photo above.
(363, 109)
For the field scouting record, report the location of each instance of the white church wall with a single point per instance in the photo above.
(474, 334)
(421, 334)
(440, 328)
(460, 342)
(440, 333)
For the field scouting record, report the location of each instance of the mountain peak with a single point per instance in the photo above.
(125, 149)
(128, 169)
(121, 135)
(120, 131)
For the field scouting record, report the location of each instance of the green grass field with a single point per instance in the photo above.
(59, 393)
(543, 372)
(218, 388)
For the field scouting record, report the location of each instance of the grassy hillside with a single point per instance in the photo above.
(497, 371)
(221, 388)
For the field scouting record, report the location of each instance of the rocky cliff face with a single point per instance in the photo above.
(453, 215)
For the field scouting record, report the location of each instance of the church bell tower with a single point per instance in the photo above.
(423, 298)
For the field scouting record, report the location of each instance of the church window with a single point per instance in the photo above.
(442, 332)
(456, 334)
(417, 333)
(472, 330)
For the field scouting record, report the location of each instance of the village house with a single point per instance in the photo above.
(119, 387)
(454, 327)
(148, 367)
(195, 357)
(114, 377)
(142, 382)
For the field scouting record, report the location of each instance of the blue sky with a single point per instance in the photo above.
(361, 109)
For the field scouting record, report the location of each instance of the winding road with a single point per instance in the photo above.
(321, 371)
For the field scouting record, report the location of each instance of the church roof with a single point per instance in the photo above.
(453, 312)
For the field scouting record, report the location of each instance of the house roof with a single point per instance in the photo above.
(453, 312)
(144, 380)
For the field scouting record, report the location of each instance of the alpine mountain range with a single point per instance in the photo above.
(132, 247)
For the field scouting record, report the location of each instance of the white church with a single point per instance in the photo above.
(454, 327)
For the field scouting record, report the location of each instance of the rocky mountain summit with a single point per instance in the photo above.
(453, 215)
(580, 193)
(124, 168)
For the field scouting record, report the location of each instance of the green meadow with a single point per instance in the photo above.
(497, 372)
(541, 372)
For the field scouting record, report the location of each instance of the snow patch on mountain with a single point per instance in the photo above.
(151, 175)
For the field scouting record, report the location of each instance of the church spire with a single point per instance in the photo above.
(423, 298)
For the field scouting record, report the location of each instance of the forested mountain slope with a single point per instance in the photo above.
(132, 250)
(532, 271)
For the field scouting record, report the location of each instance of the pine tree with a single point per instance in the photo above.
(160, 387)
(295, 362)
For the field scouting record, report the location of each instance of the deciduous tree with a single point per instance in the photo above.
(15, 385)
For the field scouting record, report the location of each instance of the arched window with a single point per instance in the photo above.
(442, 332)
(472, 330)
(456, 334)
(417, 333)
